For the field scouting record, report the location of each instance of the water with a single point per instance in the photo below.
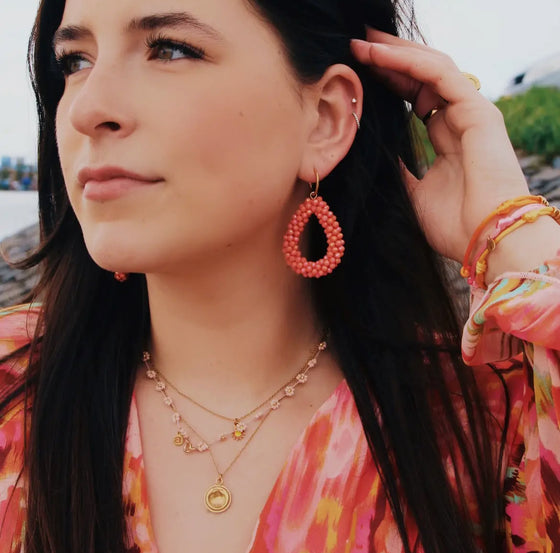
(17, 211)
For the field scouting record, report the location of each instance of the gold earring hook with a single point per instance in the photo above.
(315, 192)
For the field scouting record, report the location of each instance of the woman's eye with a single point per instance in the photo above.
(169, 50)
(72, 63)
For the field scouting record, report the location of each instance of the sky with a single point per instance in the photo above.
(494, 39)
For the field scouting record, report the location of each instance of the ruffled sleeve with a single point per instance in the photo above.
(17, 326)
(515, 325)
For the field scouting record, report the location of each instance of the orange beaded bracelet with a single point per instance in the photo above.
(503, 209)
(482, 263)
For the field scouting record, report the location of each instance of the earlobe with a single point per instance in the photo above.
(338, 103)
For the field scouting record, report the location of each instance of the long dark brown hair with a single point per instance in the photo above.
(392, 324)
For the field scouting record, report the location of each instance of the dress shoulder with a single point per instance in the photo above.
(17, 327)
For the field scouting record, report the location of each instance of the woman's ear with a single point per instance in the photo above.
(334, 100)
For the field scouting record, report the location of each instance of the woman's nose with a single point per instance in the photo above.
(101, 105)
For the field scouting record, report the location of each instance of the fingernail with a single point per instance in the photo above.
(380, 46)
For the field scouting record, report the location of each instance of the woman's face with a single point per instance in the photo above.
(180, 130)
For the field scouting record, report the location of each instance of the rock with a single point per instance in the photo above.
(546, 182)
(546, 174)
(531, 164)
(15, 284)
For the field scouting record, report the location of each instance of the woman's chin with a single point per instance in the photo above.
(118, 259)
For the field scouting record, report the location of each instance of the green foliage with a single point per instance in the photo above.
(424, 148)
(533, 121)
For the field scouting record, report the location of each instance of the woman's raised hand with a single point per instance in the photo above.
(475, 167)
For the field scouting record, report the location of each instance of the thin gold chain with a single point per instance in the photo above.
(239, 427)
(245, 445)
(315, 352)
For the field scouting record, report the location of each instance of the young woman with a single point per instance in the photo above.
(207, 372)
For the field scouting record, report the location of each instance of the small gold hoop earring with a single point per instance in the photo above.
(354, 114)
(315, 192)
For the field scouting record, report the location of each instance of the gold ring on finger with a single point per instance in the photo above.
(474, 79)
(428, 115)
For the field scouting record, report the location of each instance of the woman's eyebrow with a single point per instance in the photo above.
(70, 33)
(172, 19)
(151, 22)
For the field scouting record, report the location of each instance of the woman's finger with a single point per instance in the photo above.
(375, 35)
(422, 97)
(429, 67)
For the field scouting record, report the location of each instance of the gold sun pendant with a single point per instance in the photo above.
(218, 497)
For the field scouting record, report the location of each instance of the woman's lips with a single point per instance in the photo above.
(111, 189)
(110, 182)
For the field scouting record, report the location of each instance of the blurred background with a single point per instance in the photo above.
(513, 47)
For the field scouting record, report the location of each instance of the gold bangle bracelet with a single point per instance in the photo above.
(527, 218)
(504, 208)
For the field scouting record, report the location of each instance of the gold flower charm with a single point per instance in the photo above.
(239, 430)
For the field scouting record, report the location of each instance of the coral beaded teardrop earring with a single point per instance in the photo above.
(335, 243)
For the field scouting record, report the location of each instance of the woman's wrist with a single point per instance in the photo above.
(525, 249)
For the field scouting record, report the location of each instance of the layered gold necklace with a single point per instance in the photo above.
(218, 497)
